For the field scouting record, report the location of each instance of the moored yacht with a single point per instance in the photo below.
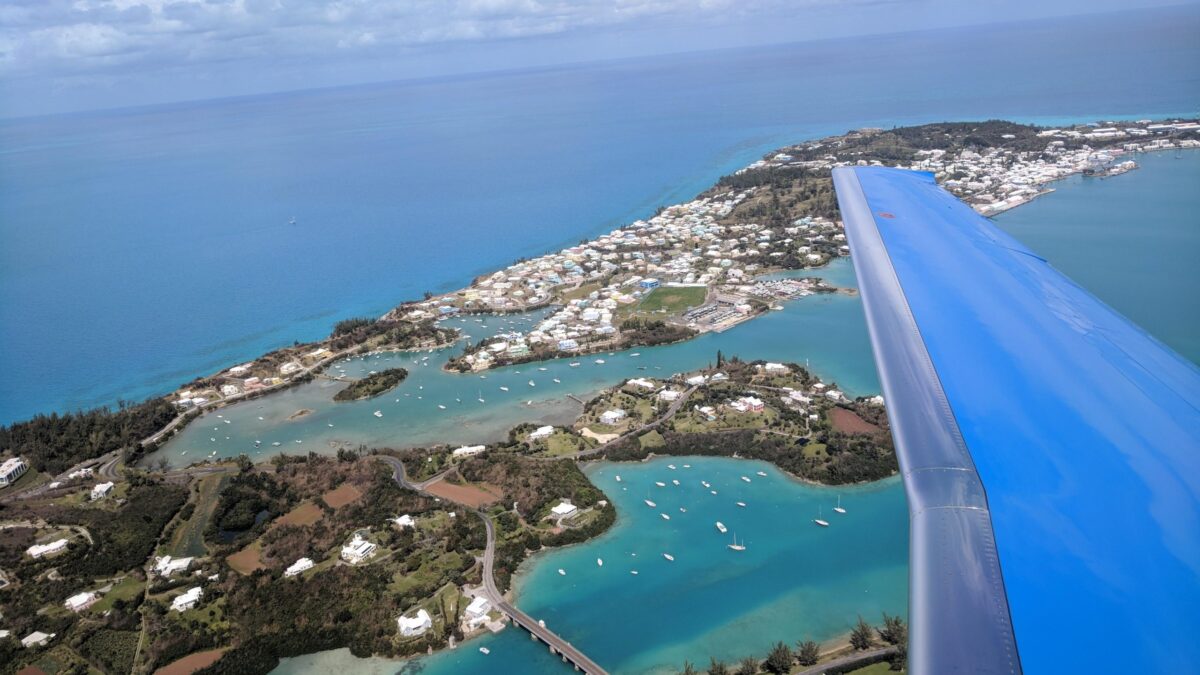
(736, 546)
(818, 520)
(721, 527)
(838, 508)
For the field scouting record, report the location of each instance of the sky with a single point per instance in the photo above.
(69, 55)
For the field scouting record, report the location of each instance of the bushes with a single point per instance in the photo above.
(112, 649)
(125, 539)
(372, 385)
(52, 443)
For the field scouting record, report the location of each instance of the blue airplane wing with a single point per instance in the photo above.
(1050, 448)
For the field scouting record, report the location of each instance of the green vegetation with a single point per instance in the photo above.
(673, 299)
(372, 385)
(111, 649)
(188, 537)
(651, 332)
(54, 442)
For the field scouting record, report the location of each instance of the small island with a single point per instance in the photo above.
(372, 385)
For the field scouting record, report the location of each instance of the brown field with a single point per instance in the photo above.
(247, 560)
(305, 514)
(469, 495)
(847, 422)
(192, 662)
(345, 494)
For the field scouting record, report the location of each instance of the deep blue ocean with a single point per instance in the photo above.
(140, 248)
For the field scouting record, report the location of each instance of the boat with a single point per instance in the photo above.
(573, 364)
(485, 650)
(636, 354)
(721, 527)
(818, 520)
(532, 384)
(634, 572)
(736, 546)
(562, 572)
(682, 510)
(742, 504)
(659, 483)
(599, 562)
(650, 503)
(687, 466)
(557, 381)
(331, 424)
(275, 444)
(543, 369)
(675, 482)
(260, 417)
(503, 388)
(762, 473)
(713, 491)
(671, 467)
(745, 479)
(618, 478)
(440, 407)
(599, 362)
(670, 557)
(706, 484)
(838, 508)
(665, 516)
(378, 413)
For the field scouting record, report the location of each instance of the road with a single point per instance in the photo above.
(671, 410)
(558, 645)
(855, 659)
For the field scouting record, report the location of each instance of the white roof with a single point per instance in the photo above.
(36, 637)
(563, 508)
(298, 567)
(38, 550)
(468, 450)
(78, 600)
(10, 464)
(478, 606)
(189, 597)
(416, 624)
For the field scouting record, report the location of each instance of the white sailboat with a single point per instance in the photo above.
(838, 508)
(736, 546)
(503, 388)
(745, 479)
(742, 504)
(761, 473)
(562, 572)
(618, 478)
(660, 483)
(818, 520)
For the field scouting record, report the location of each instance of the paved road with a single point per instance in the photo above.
(560, 646)
(855, 659)
(674, 408)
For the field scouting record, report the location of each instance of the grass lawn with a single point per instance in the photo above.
(188, 539)
(581, 292)
(430, 572)
(564, 443)
(877, 669)
(652, 439)
(815, 450)
(673, 300)
(125, 589)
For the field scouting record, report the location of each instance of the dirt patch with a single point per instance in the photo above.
(246, 560)
(469, 495)
(298, 414)
(342, 496)
(192, 662)
(305, 514)
(847, 422)
(603, 438)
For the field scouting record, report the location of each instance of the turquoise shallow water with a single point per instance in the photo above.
(828, 330)
(794, 580)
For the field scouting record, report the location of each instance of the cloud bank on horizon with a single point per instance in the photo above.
(121, 50)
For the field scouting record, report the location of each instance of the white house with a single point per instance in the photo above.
(165, 565)
(417, 625)
(476, 613)
(81, 601)
(776, 368)
(405, 521)
(669, 395)
(188, 599)
(468, 450)
(11, 470)
(541, 432)
(696, 380)
(299, 566)
(36, 639)
(39, 550)
(358, 550)
(612, 416)
(101, 490)
(641, 383)
(563, 509)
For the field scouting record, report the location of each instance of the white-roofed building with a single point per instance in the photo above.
(101, 490)
(11, 470)
(404, 521)
(165, 565)
(612, 416)
(299, 566)
(81, 601)
(358, 550)
(564, 509)
(476, 612)
(669, 395)
(188, 599)
(36, 639)
(39, 550)
(413, 626)
(541, 432)
(468, 450)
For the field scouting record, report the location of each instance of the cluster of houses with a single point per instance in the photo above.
(248, 378)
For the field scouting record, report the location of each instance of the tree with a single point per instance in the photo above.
(748, 667)
(716, 667)
(779, 661)
(808, 653)
(862, 637)
(720, 358)
(688, 668)
(894, 630)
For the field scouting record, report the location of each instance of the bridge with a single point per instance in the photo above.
(558, 646)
